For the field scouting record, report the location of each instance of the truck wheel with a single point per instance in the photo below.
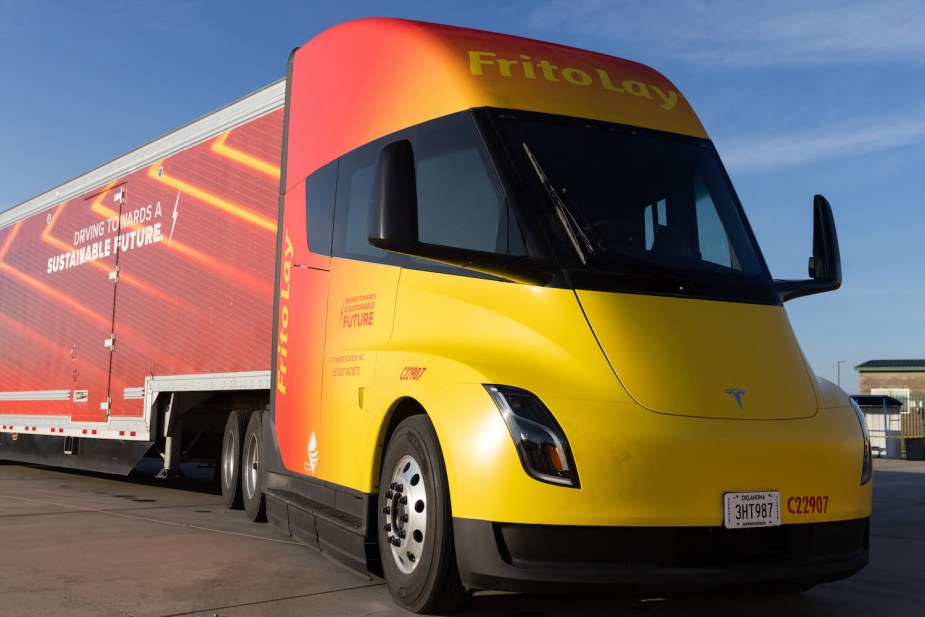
(251, 481)
(415, 522)
(230, 464)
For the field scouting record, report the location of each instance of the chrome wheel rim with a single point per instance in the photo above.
(250, 466)
(229, 461)
(406, 514)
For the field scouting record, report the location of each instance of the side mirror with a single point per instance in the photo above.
(825, 262)
(393, 225)
(393, 215)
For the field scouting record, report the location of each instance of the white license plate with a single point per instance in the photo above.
(758, 509)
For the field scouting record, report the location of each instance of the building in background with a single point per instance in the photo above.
(902, 379)
(892, 396)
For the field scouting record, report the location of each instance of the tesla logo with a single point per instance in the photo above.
(736, 393)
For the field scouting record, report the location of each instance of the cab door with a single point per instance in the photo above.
(360, 313)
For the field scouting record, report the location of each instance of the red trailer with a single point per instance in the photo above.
(159, 263)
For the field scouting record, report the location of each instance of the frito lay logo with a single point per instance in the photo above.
(282, 348)
(525, 67)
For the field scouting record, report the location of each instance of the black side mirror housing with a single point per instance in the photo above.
(393, 215)
(824, 264)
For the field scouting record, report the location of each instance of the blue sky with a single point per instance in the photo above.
(800, 97)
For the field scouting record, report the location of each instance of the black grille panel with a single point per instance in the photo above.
(678, 547)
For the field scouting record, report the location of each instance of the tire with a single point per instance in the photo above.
(230, 460)
(415, 522)
(252, 469)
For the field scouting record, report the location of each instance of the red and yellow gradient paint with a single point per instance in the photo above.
(356, 338)
(382, 75)
(360, 81)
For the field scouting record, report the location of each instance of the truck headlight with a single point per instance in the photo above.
(867, 470)
(540, 441)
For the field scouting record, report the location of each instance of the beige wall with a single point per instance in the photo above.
(914, 381)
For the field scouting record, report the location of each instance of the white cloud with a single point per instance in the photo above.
(861, 136)
(750, 32)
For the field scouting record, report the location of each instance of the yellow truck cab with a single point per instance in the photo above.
(525, 338)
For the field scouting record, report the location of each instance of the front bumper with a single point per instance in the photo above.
(560, 558)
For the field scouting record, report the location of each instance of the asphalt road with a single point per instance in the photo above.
(84, 545)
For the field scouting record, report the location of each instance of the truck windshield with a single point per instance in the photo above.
(642, 204)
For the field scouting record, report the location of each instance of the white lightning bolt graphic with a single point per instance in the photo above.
(176, 207)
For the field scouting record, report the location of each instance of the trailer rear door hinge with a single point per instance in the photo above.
(120, 196)
(110, 343)
(114, 275)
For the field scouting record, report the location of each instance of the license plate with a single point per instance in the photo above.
(758, 509)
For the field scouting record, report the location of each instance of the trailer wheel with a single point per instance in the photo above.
(230, 464)
(251, 481)
(415, 522)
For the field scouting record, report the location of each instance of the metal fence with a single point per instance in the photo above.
(896, 425)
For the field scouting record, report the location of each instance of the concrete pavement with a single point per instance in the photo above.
(85, 545)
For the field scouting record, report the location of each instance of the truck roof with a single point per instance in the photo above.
(364, 79)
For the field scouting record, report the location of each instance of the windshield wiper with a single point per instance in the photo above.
(569, 216)
(643, 266)
(587, 242)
